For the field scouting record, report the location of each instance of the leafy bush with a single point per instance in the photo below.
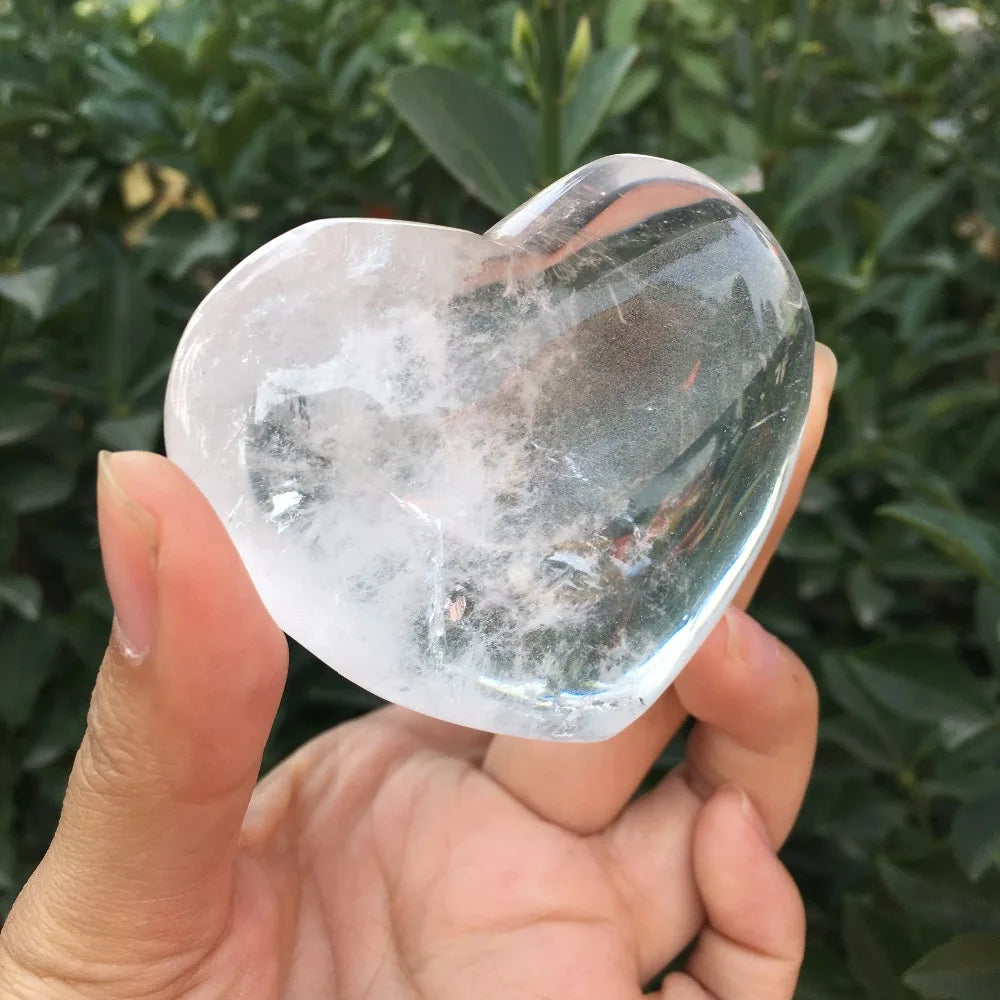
(148, 146)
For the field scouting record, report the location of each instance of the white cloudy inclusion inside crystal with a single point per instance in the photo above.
(508, 480)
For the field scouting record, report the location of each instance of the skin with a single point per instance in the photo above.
(396, 856)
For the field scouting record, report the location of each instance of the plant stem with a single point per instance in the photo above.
(551, 26)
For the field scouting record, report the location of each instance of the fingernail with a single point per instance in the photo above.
(129, 545)
(747, 642)
(753, 819)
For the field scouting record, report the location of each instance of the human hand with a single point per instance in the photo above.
(397, 856)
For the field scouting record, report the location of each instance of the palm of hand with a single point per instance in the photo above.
(381, 860)
(460, 889)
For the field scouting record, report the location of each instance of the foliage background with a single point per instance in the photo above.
(145, 147)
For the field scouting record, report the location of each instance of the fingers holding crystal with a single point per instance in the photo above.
(583, 786)
(757, 712)
(757, 709)
(754, 938)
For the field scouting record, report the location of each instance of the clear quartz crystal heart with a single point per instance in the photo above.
(508, 480)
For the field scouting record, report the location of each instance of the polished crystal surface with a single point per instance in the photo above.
(507, 480)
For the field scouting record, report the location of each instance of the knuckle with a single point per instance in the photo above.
(109, 757)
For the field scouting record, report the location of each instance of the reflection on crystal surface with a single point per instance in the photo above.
(507, 480)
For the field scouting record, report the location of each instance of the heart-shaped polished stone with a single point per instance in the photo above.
(508, 480)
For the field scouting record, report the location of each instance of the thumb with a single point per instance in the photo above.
(142, 862)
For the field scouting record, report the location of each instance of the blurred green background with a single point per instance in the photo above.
(145, 147)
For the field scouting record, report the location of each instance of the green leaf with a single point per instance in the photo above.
(917, 680)
(151, 380)
(987, 619)
(27, 652)
(216, 240)
(971, 542)
(23, 594)
(621, 18)
(32, 114)
(28, 487)
(697, 13)
(869, 598)
(940, 896)
(23, 413)
(215, 42)
(703, 71)
(687, 113)
(870, 943)
(31, 290)
(838, 167)
(635, 88)
(596, 85)
(856, 738)
(251, 115)
(9, 867)
(741, 137)
(810, 540)
(128, 117)
(125, 328)
(59, 191)
(823, 975)
(140, 432)
(975, 835)
(284, 67)
(168, 63)
(965, 968)
(8, 531)
(740, 175)
(908, 211)
(58, 723)
(469, 129)
(841, 684)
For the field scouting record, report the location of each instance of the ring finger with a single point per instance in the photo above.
(757, 712)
